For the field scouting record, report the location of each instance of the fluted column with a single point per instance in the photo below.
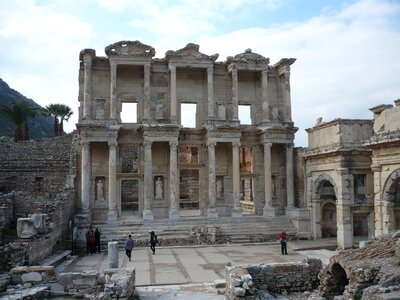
(286, 94)
(173, 93)
(212, 211)
(85, 171)
(112, 214)
(264, 95)
(210, 90)
(113, 90)
(173, 183)
(146, 93)
(87, 86)
(235, 94)
(237, 211)
(268, 210)
(289, 176)
(148, 182)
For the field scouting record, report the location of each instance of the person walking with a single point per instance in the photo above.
(283, 237)
(97, 234)
(153, 242)
(89, 241)
(129, 246)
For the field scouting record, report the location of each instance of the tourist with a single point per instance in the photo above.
(129, 246)
(153, 242)
(283, 237)
(89, 241)
(97, 234)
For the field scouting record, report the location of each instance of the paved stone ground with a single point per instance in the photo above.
(188, 272)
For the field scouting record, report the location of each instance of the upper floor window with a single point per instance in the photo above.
(129, 112)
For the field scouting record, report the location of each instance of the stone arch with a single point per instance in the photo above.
(388, 193)
(319, 182)
(391, 202)
(328, 219)
(339, 279)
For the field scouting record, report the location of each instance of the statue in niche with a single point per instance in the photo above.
(219, 188)
(100, 193)
(159, 188)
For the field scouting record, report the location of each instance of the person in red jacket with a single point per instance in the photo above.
(283, 237)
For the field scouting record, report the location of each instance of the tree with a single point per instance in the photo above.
(19, 113)
(60, 113)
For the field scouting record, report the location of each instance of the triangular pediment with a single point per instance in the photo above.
(248, 57)
(190, 52)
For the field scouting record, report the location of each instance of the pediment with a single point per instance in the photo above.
(248, 57)
(130, 48)
(190, 52)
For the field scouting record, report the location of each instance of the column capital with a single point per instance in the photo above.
(267, 145)
(87, 60)
(236, 144)
(112, 143)
(210, 68)
(264, 72)
(289, 146)
(84, 143)
(211, 144)
(173, 143)
(172, 68)
(113, 64)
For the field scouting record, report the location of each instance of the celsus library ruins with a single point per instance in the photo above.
(132, 164)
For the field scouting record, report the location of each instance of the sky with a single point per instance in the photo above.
(348, 52)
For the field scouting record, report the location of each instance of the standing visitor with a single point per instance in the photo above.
(129, 246)
(89, 241)
(153, 242)
(283, 237)
(97, 234)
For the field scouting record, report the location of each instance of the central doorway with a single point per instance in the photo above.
(189, 192)
(130, 197)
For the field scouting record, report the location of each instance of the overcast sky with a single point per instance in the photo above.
(348, 52)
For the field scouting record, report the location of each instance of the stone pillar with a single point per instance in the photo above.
(237, 211)
(286, 94)
(113, 90)
(378, 203)
(146, 93)
(173, 182)
(269, 210)
(113, 255)
(87, 86)
(210, 90)
(112, 214)
(148, 182)
(212, 211)
(173, 93)
(235, 94)
(343, 211)
(289, 177)
(85, 171)
(316, 219)
(264, 95)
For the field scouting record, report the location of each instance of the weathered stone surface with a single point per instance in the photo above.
(31, 277)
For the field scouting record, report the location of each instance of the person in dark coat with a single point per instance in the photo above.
(283, 237)
(97, 234)
(89, 241)
(129, 246)
(153, 242)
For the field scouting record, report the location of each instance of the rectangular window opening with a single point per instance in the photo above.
(129, 112)
(245, 114)
(188, 115)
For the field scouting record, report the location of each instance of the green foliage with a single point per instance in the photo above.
(60, 113)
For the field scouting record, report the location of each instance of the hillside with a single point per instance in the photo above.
(39, 127)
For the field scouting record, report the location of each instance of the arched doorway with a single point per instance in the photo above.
(391, 199)
(328, 209)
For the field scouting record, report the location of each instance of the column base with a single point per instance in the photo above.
(148, 215)
(212, 213)
(112, 215)
(269, 211)
(84, 216)
(174, 214)
(237, 213)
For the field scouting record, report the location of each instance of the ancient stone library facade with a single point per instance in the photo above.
(134, 158)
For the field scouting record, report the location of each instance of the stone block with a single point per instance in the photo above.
(31, 277)
(26, 228)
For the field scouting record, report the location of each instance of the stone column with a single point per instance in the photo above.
(113, 90)
(212, 211)
(286, 94)
(237, 211)
(173, 182)
(85, 181)
(173, 93)
(268, 210)
(148, 182)
(235, 94)
(343, 211)
(113, 255)
(146, 93)
(289, 177)
(112, 214)
(87, 86)
(210, 90)
(264, 95)
(378, 203)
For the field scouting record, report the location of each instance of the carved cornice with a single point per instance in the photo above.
(190, 51)
(87, 52)
(247, 57)
(130, 48)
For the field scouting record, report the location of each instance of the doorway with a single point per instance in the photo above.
(130, 196)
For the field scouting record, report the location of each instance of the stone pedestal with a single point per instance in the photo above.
(237, 213)
(212, 213)
(268, 211)
(174, 214)
(112, 215)
(148, 215)
(113, 255)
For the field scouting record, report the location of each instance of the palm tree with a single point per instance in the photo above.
(19, 113)
(60, 113)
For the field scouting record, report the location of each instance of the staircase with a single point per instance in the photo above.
(196, 230)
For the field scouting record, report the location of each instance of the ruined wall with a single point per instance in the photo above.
(247, 282)
(7, 220)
